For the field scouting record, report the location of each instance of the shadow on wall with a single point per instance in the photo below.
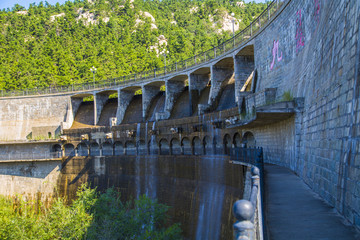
(30, 169)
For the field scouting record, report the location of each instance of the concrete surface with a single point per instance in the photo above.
(294, 212)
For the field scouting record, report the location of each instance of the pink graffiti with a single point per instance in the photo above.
(317, 10)
(299, 34)
(275, 53)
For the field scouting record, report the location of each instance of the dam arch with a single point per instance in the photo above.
(175, 146)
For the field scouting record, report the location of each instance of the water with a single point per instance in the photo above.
(137, 163)
(150, 168)
(210, 212)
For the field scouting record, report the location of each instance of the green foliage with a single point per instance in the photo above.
(90, 216)
(287, 96)
(40, 50)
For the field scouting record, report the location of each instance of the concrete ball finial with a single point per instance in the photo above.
(255, 171)
(243, 210)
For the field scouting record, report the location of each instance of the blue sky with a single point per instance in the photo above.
(25, 3)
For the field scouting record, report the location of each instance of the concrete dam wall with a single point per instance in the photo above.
(292, 88)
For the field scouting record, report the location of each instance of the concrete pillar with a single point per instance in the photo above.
(173, 90)
(74, 104)
(124, 99)
(148, 93)
(99, 102)
(218, 75)
(197, 82)
(243, 67)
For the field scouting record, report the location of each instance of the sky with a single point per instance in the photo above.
(25, 3)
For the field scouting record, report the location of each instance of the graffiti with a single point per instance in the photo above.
(299, 33)
(317, 10)
(275, 54)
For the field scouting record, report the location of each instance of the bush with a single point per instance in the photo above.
(90, 216)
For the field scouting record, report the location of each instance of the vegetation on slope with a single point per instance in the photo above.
(48, 45)
(90, 216)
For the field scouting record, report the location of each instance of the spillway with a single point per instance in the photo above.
(133, 113)
(108, 112)
(200, 190)
(84, 117)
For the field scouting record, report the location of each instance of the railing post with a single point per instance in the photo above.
(250, 29)
(268, 10)
(176, 66)
(259, 22)
(195, 59)
(214, 52)
(154, 72)
(244, 212)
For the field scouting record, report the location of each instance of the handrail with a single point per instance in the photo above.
(220, 50)
(249, 212)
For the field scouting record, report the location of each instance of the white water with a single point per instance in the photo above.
(137, 163)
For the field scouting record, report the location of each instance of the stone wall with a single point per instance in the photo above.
(312, 51)
(19, 115)
(30, 179)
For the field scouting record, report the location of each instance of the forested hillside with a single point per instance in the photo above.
(46, 45)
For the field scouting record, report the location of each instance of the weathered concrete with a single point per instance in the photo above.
(32, 180)
(148, 92)
(197, 82)
(173, 90)
(99, 103)
(295, 212)
(124, 99)
(19, 116)
(219, 77)
(243, 67)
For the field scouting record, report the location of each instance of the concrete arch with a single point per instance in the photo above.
(107, 149)
(94, 149)
(198, 148)
(248, 50)
(175, 146)
(82, 149)
(164, 147)
(56, 151)
(69, 150)
(153, 147)
(208, 146)
(237, 140)
(249, 139)
(174, 87)
(141, 148)
(151, 92)
(186, 146)
(227, 144)
(218, 146)
(130, 148)
(105, 108)
(155, 84)
(118, 148)
(225, 63)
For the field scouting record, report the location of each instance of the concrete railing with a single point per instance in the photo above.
(221, 50)
(249, 212)
(29, 156)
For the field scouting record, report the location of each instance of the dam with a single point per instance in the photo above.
(288, 83)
